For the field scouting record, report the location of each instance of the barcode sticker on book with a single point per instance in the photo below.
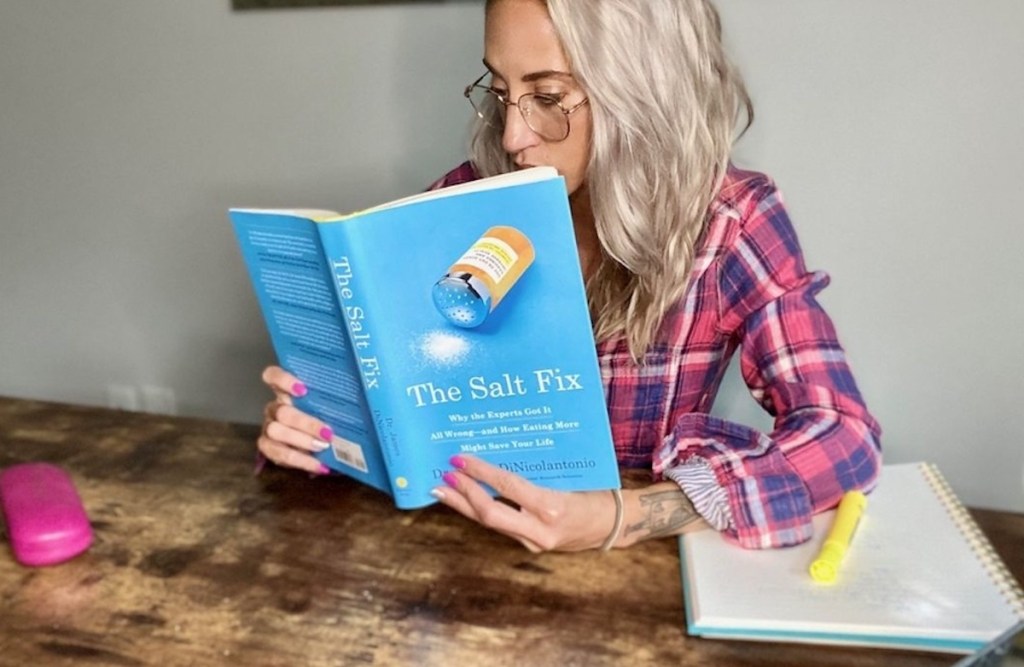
(349, 453)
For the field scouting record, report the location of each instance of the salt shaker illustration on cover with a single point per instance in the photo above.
(477, 282)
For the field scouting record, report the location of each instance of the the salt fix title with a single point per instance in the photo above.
(479, 387)
(356, 316)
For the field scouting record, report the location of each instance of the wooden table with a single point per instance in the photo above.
(198, 562)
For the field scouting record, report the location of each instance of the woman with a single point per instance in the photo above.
(686, 259)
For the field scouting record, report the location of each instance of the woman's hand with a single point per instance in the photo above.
(542, 519)
(289, 435)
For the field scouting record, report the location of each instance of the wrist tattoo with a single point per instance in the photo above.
(665, 512)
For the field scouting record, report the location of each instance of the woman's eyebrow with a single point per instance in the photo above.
(533, 76)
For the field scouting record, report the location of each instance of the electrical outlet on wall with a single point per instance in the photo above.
(122, 397)
(160, 400)
(148, 398)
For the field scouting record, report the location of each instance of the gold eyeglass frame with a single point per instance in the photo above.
(504, 100)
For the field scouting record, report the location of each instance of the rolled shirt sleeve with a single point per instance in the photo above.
(767, 486)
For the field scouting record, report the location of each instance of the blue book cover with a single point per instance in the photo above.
(449, 322)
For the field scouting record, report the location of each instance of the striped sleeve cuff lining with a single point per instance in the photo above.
(698, 482)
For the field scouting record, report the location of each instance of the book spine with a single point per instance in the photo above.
(360, 336)
(349, 279)
(978, 541)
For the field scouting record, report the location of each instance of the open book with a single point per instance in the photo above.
(919, 573)
(454, 321)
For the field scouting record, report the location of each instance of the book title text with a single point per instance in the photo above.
(356, 316)
(479, 387)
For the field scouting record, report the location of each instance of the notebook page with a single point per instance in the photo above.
(909, 572)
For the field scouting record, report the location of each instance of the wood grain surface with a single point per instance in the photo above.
(199, 562)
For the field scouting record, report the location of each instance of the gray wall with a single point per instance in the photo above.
(127, 127)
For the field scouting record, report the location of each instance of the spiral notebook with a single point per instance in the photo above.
(919, 574)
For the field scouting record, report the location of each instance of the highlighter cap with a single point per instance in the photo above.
(463, 299)
(826, 566)
(823, 571)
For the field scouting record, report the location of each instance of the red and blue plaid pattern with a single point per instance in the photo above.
(748, 289)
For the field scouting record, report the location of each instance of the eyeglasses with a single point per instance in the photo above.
(543, 114)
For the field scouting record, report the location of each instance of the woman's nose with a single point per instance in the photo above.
(517, 135)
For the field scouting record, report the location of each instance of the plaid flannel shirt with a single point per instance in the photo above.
(748, 289)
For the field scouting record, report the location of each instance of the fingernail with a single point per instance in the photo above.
(326, 433)
(324, 470)
(299, 389)
(261, 463)
(437, 493)
(319, 445)
(457, 462)
(450, 479)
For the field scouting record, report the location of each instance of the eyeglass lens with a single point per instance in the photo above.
(542, 114)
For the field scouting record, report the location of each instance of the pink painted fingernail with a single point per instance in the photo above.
(326, 434)
(450, 479)
(457, 462)
(299, 389)
(324, 470)
(261, 463)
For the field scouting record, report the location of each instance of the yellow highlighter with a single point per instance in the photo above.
(826, 565)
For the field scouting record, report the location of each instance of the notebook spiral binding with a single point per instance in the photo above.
(979, 542)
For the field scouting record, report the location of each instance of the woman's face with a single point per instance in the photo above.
(523, 54)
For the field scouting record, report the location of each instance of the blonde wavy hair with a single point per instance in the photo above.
(666, 102)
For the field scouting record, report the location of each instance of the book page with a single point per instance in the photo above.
(530, 175)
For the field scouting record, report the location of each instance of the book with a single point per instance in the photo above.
(453, 321)
(918, 574)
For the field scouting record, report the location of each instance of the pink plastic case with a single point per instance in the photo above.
(46, 522)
